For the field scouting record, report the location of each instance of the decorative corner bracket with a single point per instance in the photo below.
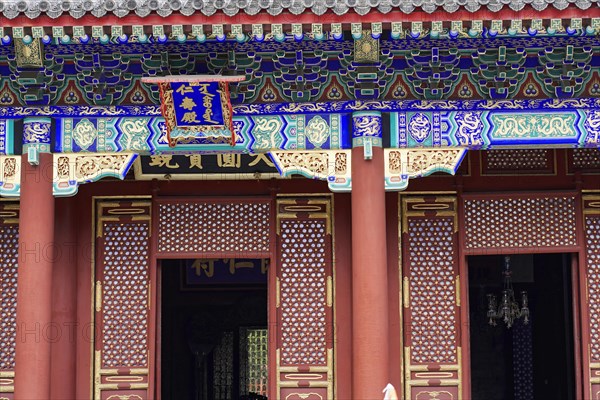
(401, 165)
(330, 165)
(71, 170)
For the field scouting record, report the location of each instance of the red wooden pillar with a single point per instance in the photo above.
(63, 331)
(369, 260)
(34, 288)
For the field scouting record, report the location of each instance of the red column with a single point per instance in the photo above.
(64, 303)
(34, 288)
(369, 267)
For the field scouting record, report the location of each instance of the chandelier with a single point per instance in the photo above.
(508, 310)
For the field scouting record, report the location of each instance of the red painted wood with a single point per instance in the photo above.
(85, 327)
(394, 293)
(154, 316)
(305, 18)
(272, 299)
(576, 307)
(64, 302)
(34, 290)
(465, 326)
(343, 295)
(369, 277)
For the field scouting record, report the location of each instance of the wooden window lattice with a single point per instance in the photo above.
(9, 240)
(213, 227)
(520, 222)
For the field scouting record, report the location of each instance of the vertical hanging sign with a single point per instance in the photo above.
(196, 106)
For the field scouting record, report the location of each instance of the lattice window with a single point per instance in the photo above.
(505, 222)
(125, 295)
(9, 239)
(303, 292)
(213, 227)
(223, 368)
(592, 233)
(254, 343)
(518, 161)
(585, 159)
(432, 290)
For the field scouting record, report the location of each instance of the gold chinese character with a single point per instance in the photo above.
(183, 89)
(229, 160)
(233, 265)
(190, 116)
(195, 161)
(264, 266)
(261, 157)
(187, 104)
(207, 267)
(162, 161)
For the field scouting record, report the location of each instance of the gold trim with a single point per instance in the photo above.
(125, 378)
(7, 374)
(457, 283)
(115, 386)
(442, 382)
(442, 367)
(302, 376)
(96, 386)
(126, 211)
(278, 372)
(407, 372)
(301, 208)
(329, 291)
(98, 296)
(292, 370)
(405, 292)
(7, 389)
(149, 296)
(296, 384)
(330, 373)
(277, 292)
(434, 375)
(431, 206)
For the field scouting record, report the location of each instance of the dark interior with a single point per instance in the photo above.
(213, 330)
(533, 361)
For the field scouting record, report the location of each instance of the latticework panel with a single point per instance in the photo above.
(592, 234)
(517, 161)
(303, 293)
(123, 298)
(305, 298)
(256, 346)
(431, 310)
(586, 160)
(520, 222)
(125, 295)
(432, 290)
(9, 240)
(213, 227)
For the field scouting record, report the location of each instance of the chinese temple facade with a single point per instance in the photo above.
(248, 199)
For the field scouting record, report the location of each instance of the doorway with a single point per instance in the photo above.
(528, 360)
(214, 339)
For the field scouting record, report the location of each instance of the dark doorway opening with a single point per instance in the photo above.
(214, 340)
(526, 361)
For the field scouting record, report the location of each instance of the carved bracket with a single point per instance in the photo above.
(330, 165)
(334, 166)
(70, 170)
(404, 164)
